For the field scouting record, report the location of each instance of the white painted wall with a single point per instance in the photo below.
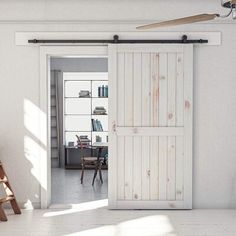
(214, 162)
(102, 10)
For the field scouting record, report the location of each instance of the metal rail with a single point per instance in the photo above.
(116, 40)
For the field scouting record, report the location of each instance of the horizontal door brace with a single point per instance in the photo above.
(149, 131)
(116, 40)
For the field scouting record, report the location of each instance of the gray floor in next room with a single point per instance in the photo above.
(67, 189)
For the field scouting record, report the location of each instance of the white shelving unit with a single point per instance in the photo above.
(78, 111)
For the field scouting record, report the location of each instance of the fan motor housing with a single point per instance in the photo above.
(228, 4)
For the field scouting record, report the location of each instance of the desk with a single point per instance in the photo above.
(67, 150)
(97, 145)
(100, 146)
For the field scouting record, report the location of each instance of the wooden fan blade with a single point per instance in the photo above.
(180, 21)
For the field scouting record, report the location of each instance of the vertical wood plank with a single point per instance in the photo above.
(179, 123)
(171, 88)
(137, 89)
(145, 168)
(112, 161)
(171, 122)
(179, 90)
(120, 168)
(128, 168)
(179, 168)
(146, 108)
(128, 122)
(137, 168)
(163, 76)
(154, 88)
(154, 153)
(121, 89)
(146, 89)
(128, 89)
(121, 122)
(162, 168)
(137, 114)
(154, 175)
(188, 120)
(171, 169)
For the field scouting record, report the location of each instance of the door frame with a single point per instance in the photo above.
(46, 52)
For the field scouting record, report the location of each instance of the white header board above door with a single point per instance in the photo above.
(21, 38)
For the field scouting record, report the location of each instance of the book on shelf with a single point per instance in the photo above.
(96, 125)
(99, 125)
(103, 91)
(106, 91)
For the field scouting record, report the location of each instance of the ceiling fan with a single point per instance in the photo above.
(231, 4)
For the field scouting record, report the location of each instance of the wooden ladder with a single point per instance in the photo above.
(10, 197)
(55, 133)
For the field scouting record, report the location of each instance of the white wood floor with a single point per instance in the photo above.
(95, 219)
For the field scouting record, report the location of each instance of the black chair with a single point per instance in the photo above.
(89, 162)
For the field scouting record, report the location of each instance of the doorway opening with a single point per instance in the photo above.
(79, 129)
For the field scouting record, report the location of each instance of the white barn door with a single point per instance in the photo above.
(150, 139)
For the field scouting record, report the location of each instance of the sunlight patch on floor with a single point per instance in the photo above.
(157, 225)
(74, 208)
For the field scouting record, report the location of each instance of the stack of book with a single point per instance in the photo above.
(97, 126)
(84, 140)
(84, 94)
(99, 111)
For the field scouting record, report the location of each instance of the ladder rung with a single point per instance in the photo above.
(4, 180)
(6, 199)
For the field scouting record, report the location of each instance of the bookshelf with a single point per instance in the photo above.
(79, 110)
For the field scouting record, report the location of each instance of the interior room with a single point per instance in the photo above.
(79, 129)
(117, 117)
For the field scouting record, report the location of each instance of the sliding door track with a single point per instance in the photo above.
(116, 40)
